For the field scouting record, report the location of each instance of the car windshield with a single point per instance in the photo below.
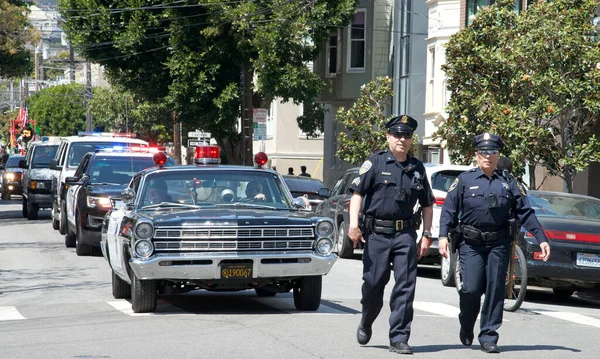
(442, 180)
(119, 170)
(13, 161)
(214, 187)
(42, 155)
(550, 204)
(79, 149)
(299, 185)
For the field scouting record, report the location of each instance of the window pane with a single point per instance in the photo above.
(358, 26)
(333, 60)
(357, 54)
(333, 40)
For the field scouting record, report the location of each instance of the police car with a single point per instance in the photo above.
(37, 176)
(96, 184)
(214, 227)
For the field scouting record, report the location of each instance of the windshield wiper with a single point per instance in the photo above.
(109, 184)
(171, 204)
(250, 205)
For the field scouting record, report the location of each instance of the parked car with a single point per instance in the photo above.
(337, 205)
(93, 189)
(206, 232)
(313, 188)
(37, 177)
(11, 178)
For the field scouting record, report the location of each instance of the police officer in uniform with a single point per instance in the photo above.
(480, 208)
(391, 182)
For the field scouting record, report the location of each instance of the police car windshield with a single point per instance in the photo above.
(13, 161)
(119, 170)
(42, 155)
(216, 187)
(79, 149)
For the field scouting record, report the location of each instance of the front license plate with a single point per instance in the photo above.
(236, 270)
(588, 260)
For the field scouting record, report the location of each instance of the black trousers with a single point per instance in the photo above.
(483, 270)
(381, 254)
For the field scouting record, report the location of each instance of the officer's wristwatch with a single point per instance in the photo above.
(427, 234)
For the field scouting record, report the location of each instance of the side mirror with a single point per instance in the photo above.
(23, 164)
(85, 180)
(128, 196)
(298, 203)
(54, 165)
(323, 192)
(72, 180)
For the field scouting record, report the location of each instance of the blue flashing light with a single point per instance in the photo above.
(45, 138)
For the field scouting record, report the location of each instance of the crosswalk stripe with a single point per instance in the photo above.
(10, 313)
(441, 309)
(570, 317)
(162, 308)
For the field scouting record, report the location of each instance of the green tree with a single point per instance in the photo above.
(312, 120)
(534, 79)
(58, 110)
(190, 55)
(15, 59)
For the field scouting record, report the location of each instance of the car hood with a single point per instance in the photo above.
(13, 170)
(40, 174)
(228, 217)
(108, 190)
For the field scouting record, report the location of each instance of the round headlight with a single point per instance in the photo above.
(144, 249)
(324, 246)
(325, 229)
(144, 231)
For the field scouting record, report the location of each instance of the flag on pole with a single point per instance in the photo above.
(25, 115)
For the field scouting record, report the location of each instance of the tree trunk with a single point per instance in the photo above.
(532, 183)
(247, 114)
(569, 176)
(231, 150)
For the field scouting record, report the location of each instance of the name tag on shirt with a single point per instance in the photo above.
(386, 173)
(474, 187)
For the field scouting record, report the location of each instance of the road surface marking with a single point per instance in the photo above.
(162, 308)
(570, 317)
(10, 313)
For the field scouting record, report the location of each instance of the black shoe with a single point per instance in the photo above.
(363, 335)
(401, 348)
(490, 348)
(466, 337)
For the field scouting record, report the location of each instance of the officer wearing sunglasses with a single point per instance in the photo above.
(481, 208)
(391, 183)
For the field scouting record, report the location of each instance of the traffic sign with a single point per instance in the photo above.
(194, 143)
(260, 131)
(259, 115)
(199, 134)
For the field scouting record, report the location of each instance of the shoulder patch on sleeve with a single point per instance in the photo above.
(522, 189)
(366, 166)
(356, 181)
(453, 185)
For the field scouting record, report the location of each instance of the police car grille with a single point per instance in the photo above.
(238, 239)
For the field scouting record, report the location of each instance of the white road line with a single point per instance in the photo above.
(288, 307)
(571, 317)
(442, 309)
(162, 308)
(10, 313)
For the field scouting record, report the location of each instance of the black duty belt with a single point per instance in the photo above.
(475, 235)
(382, 226)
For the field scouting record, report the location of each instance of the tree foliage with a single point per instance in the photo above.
(533, 78)
(312, 120)
(58, 110)
(15, 59)
(190, 55)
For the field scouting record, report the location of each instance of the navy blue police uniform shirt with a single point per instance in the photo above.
(470, 197)
(381, 181)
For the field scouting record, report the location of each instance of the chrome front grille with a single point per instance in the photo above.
(233, 239)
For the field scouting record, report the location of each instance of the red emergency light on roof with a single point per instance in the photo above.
(260, 159)
(159, 158)
(207, 155)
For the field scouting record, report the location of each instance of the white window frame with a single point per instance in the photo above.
(338, 35)
(349, 47)
(432, 71)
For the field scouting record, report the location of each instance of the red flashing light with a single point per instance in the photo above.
(260, 158)
(208, 155)
(159, 158)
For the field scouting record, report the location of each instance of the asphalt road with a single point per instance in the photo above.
(54, 304)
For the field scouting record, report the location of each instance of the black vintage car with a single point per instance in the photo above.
(218, 228)
(97, 183)
(10, 181)
(311, 188)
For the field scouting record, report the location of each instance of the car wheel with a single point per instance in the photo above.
(307, 293)
(447, 268)
(81, 248)
(120, 288)
(143, 295)
(55, 223)
(32, 211)
(24, 207)
(62, 218)
(264, 293)
(563, 293)
(345, 246)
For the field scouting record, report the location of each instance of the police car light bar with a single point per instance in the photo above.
(105, 134)
(260, 159)
(159, 158)
(207, 155)
(136, 149)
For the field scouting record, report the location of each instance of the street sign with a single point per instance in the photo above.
(199, 134)
(259, 115)
(260, 131)
(194, 143)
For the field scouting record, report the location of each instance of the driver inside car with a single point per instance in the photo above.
(254, 191)
(157, 193)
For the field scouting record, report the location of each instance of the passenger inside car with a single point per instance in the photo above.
(157, 193)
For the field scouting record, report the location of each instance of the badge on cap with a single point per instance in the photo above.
(404, 119)
(486, 136)
(453, 185)
(366, 166)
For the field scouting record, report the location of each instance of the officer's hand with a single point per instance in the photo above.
(443, 246)
(355, 235)
(424, 245)
(545, 251)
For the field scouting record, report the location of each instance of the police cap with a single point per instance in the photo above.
(400, 124)
(488, 141)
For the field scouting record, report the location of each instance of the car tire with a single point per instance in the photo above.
(264, 293)
(563, 293)
(24, 209)
(81, 249)
(447, 268)
(62, 218)
(143, 295)
(345, 247)
(307, 293)
(55, 223)
(32, 211)
(120, 288)
(6, 196)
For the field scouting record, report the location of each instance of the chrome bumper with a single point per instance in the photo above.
(210, 268)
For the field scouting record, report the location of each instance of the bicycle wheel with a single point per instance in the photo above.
(516, 294)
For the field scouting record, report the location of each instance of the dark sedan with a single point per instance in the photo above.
(11, 177)
(312, 188)
(572, 225)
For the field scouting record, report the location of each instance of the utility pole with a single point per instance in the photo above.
(88, 96)
(37, 68)
(177, 137)
(247, 125)
(71, 64)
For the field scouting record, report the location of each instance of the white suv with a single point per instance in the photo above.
(70, 152)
